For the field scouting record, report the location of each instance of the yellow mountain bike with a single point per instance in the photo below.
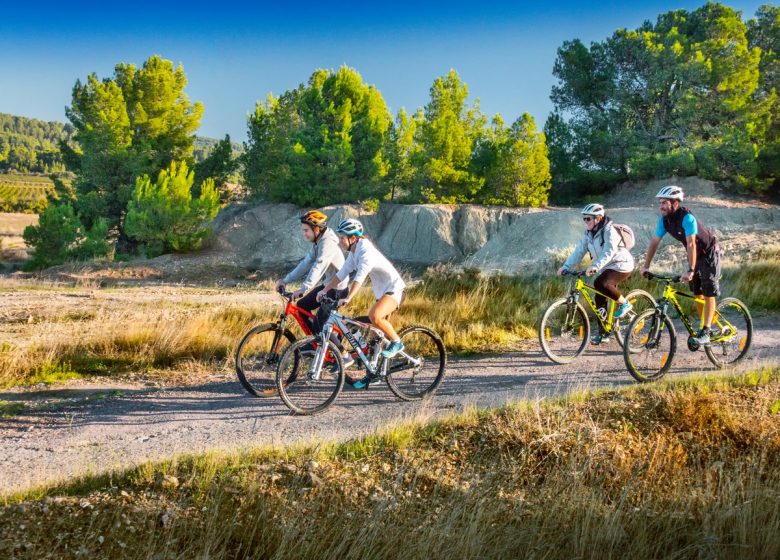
(652, 339)
(564, 329)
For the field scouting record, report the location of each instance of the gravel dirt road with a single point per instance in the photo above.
(90, 428)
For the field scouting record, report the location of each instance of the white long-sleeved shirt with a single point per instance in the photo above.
(368, 262)
(605, 250)
(321, 262)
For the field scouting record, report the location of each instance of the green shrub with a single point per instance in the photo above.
(163, 216)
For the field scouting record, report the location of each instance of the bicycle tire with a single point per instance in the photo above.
(260, 382)
(423, 344)
(639, 351)
(719, 351)
(641, 301)
(303, 395)
(549, 333)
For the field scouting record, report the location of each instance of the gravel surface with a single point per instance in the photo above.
(80, 429)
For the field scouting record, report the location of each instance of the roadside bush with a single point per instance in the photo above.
(60, 236)
(163, 216)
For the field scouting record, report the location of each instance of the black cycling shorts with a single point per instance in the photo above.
(706, 277)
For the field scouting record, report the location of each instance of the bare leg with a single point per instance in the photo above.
(378, 315)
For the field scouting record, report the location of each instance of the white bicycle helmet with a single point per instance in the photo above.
(593, 210)
(672, 192)
(350, 227)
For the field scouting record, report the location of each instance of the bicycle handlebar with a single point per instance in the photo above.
(325, 300)
(663, 278)
(284, 293)
(574, 273)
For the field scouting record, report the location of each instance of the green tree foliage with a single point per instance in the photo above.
(674, 96)
(164, 216)
(764, 34)
(133, 124)
(447, 136)
(30, 145)
(515, 164)
(321, 143)
(60, 236)
(219, 165)
(402, 150)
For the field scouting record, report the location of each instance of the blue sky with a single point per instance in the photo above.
(236, 53)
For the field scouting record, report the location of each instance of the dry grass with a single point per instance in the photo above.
(186, 332)
(56, 333)
(689, 469)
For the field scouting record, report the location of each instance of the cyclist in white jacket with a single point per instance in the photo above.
(366, 261)
(615, 263)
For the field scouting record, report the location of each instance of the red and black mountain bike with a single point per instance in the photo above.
(258, 353)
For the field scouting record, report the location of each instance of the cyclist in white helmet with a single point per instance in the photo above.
(615, 263)
(702, 248)
(365, 261)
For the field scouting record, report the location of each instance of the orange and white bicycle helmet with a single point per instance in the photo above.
(314, 218)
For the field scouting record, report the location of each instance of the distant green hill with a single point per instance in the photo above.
(30, 151)
(32, 146)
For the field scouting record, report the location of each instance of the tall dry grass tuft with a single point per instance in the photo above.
(684, 470)
(114, 341)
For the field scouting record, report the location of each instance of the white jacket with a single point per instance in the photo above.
(324, 259)
(367, 261)
(604, 249)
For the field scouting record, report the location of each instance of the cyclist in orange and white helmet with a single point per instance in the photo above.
(320, 264)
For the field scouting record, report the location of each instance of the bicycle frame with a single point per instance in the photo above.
(670, 295)
(338, 322)
(582, 288)
(300, 315)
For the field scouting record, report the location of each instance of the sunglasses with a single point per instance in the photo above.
(588, 219)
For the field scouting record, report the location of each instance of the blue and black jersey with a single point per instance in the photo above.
(680, 224)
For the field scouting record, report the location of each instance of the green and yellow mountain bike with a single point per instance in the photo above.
(564, 329)
(652, 339)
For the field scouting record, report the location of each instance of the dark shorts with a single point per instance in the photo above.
(706, 277)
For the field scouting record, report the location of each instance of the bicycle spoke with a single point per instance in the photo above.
(418, 370)
(257, 357)
(304, 388)
(731, 333)
(650, 346)
(564, 330)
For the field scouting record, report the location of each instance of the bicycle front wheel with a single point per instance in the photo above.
(418, 371)
(649, 346)
(640, 301)
(303, 389)
(564, 331)
(732, 333)
(257, 356)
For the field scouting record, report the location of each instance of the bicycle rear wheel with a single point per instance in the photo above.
(649, 346)
(418, 371)
(732, 333)
(640, 301)
(257, 356)
(564, 331)
(303, 390)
